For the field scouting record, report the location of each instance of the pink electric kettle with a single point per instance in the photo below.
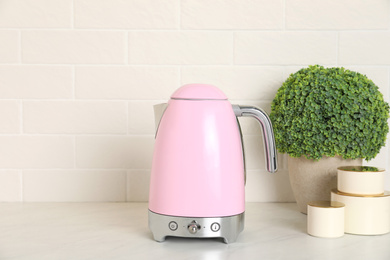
(198, 170)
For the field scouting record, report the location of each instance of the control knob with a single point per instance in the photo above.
(193, 227)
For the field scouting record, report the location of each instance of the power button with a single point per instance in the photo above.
(172, 225)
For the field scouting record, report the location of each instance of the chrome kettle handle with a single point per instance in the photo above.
(268, 133)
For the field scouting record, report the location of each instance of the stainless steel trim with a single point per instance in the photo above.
(268, 133)
(229, 227)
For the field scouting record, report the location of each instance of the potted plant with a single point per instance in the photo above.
(324, 118)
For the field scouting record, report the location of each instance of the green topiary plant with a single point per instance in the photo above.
(327, 112)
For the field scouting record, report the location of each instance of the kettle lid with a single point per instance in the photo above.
(199, 91)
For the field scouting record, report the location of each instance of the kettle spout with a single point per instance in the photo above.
(268, 133)
(159, 110)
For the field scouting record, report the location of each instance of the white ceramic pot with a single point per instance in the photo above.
(325, 219)
(365, 215)
(360, 180)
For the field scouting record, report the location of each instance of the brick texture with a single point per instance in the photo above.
(79, 78)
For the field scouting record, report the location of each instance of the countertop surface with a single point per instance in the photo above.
(120, 231)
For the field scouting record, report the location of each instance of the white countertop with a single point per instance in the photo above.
(120, 231)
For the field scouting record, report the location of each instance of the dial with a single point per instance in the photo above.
(193, 227)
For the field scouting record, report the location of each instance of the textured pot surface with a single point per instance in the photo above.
(313, 180)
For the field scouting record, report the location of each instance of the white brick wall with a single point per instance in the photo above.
(73, 47)
(285, 48)
(180, 48)
(78, 79)
(232, 14)
(35, 82)
(10, 46)
(337, 15)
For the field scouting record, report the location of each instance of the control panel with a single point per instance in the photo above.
(193, 227)
(197, 227)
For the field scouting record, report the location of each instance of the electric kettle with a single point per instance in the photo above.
(198, 170)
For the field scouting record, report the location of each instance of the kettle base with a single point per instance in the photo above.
(228, 227)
